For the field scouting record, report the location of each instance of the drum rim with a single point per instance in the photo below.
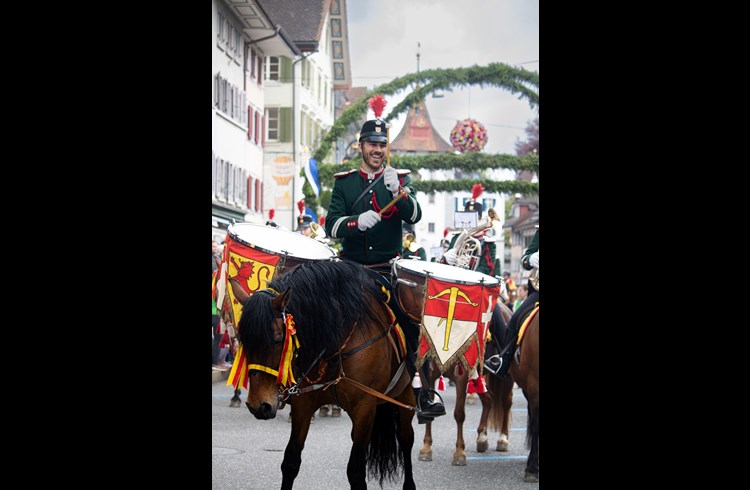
(236, 238)
(453, 281)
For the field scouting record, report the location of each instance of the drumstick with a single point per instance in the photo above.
(401, 193)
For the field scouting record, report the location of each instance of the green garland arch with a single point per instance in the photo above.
(515, 80)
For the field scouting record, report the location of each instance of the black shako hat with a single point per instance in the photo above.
(472, 205)
(303, 221)
(374, 130)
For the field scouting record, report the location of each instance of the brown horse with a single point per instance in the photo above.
(496, 406)
(407, 287)
(525, 372)
(331, 323)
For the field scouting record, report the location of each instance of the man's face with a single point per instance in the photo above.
(306, 231)
(373, 155)
(214, 247)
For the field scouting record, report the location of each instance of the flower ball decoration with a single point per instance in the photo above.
(468, 135)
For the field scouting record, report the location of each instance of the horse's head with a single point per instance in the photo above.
(263, 332)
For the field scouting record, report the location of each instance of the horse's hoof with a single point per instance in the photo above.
(234, 403)
(531, 477)
(336, 412)
(502, 446)
(323, 412)
(482, 445)
(459, 461)
(425, 456)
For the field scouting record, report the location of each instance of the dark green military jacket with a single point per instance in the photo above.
(533, 247)
(486, 255)
(383, 241)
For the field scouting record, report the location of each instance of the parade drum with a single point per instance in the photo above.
(288, 247)
(453, 306)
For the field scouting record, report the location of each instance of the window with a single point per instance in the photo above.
(431, 198)
(431, 227)
(272, 68)
(272, 116)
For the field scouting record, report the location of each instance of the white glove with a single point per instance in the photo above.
(368, 219)
(390, 179)
(450, 257)
(534, 260)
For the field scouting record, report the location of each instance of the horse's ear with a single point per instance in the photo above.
(239, 293)
(280, 301)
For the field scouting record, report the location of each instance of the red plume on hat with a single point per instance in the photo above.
(377, 104)
(445, 232)
(322, 220)
(476, 191)
(271, 213)
(301, 206)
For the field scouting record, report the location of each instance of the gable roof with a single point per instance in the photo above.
(302, 20)
(418, 134)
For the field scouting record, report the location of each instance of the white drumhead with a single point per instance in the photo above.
(445, 272)
(277, 241)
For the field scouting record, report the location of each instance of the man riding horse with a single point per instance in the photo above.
(368, 207)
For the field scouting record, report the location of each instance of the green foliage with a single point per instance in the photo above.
(507, 186)
(515, 80)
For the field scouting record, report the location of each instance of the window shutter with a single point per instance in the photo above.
(250, 118)
(262, 190)
(285, 124)
(252, 63)
(285, 69)
(249, 184)
(263, 131)
(257, 127)
(213, 174)
(260, 70)
(257, 194)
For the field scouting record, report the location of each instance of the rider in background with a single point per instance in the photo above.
(487, 252)
(374, 240)
(529, 260)
(411, 247)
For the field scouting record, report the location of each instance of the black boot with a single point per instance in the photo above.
(507, 357)
(427, 409)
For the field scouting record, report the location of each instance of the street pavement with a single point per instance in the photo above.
(247, 452)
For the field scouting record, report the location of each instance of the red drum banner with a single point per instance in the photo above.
(252, 268)
(455, 323)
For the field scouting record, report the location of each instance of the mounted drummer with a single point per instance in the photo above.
(476, 250)
(368, 208)
(529, 261)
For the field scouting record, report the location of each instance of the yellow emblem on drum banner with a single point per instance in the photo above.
(253, 270)
(454, 322)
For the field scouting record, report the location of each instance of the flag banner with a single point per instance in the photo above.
(311, 172)
(455, 323)
(253, 270)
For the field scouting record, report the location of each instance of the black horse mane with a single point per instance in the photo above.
(327, 298)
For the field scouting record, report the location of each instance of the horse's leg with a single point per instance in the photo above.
(406, 439)
(235, 401)
(459, 413)
(362, 416)
(482, 440)
(425, 452)
(293, 453)
(506, 401)
(532, 464)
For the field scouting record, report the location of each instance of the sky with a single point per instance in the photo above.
(383, 37)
